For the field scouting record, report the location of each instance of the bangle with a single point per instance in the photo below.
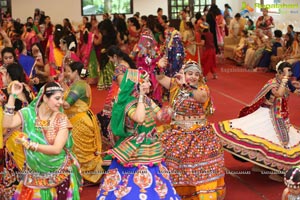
(34, 146)
(15, 96)
(31, 146)
(9, 110)
(141, 99)
(191, 94)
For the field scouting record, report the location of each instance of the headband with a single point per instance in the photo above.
(52, 89)
(191, 66)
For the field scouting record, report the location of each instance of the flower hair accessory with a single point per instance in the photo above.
(142, 75)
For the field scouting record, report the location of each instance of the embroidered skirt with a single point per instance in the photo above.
(254, 138)
(195, 159)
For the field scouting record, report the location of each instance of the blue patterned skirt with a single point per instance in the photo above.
(143, 182)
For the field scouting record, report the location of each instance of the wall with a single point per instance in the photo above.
(59, 9)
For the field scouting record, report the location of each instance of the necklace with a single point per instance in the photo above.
(40, 123)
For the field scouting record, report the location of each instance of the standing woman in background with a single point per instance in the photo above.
(41, 70)
(134, 30)
(48, 31)
(54, 53)
(265, 22)
(189, 41)
(227, 17)
(88, 55)
(108, 37)
(68, 45)
(86, 131)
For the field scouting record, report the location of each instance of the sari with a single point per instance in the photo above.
(55, 57)
(85, 132)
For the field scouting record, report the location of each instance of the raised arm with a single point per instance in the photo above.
(10, 119)
(279, 92)
(164, 80)
(140, 112)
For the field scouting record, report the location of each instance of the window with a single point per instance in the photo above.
(175, 6)
(5, 6)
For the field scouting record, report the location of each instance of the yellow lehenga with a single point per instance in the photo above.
(85, 132)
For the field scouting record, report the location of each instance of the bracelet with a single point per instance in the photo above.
(141, 99)
(33, 146)
(15, 96)
(9, 110)
(191, 94)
